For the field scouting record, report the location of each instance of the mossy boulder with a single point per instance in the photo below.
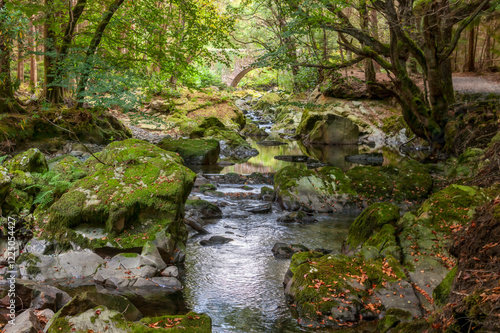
(267, 101)
(69, 168)
(253, 130)
(426, 235)
(32, 160)
(327, 129)
(371, 221)
(235, 146)
(331, 289)
(193, 151)
(139, 191)
(5, 182)
(326, 190)
(330, 189)
(203, 209)
(287, 118)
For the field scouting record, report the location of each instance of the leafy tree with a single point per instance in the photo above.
(11, 27)
(425, 30)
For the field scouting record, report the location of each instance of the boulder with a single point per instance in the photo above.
(193, 151)
(324, 191)
(371, 221)
(202, 209)
(32, 160)
(48, 297)
(67, 265)
(327, 129)
(26, 322)
(267, 100)
(139, 191)
(233, 145)
(285, 251)
(257, 208)
(4, 183)
(254, 131)
(215, 240)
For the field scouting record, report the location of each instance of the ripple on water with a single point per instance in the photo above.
(239, 284)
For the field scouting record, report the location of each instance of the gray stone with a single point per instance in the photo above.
(48, 297)
(170, 271)
(26, 322)
(215, 240)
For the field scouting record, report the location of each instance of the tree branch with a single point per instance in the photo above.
(447, 52)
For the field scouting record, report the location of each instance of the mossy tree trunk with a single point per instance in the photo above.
(55, 54)
(7, 101)
(427, 32)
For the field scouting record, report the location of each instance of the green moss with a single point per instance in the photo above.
(442, 291)
(323, 282)
(32, 160)
(143, 193)
(207, 187)
(193, 151)
(372, 182)
(371, 220)
(129, 255)
(413, 181)
(30, 262)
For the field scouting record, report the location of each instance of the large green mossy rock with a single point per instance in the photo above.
(193, 151)
(267, 101)
(336, 288)
(426, 235)
(139, 191)
(332, 190)
(371, 221)
(235, 147)
(287, 118)
(323, 191)
(327, 129)
(32, 160)
(69, 168)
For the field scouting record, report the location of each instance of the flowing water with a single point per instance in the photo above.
(239, 284)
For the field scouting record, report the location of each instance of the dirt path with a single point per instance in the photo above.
(475, 84)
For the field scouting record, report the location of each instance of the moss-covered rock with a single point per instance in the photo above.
(267, 101)
(371, 221)
(203, 209)
(426, 235)
(442, 291)
(32, 160)
(324, 191)
(140, 191)
(193, 151)
(332, 289)
(253, 130)
(287, 118)
(235, 146)
(69, 168)
(4, 183)
(327, 129)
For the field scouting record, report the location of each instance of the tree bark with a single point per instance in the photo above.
(33, 62)
(94, 44)
(370, 76)
(20, 61)
(471, 51)
(7, 101)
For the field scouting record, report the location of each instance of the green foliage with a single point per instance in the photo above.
(51, 186)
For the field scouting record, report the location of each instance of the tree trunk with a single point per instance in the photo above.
(52, 89)
(33, 62)
(20, 61)
(94, 44)
(471, 51)
(370, 76)
(7, 101)
(374, 22)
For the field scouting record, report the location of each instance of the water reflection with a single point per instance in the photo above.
(239, 284)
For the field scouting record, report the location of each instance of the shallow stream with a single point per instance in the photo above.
(239, 284)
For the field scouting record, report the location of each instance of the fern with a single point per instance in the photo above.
(50, 188)
(3, 158)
